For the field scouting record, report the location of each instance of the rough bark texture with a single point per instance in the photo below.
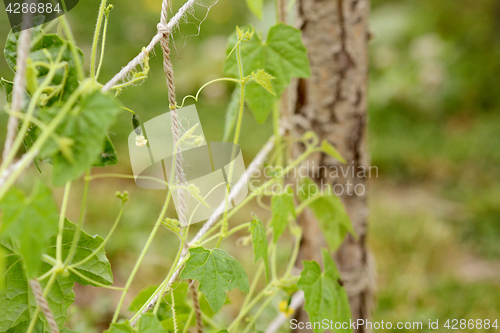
(333, 104)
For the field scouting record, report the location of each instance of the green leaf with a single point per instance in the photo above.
(67, 330)
(264, 79)
(97, 268)
(324, 294)
(121, 328)
(259, 242)
(232, 113)
(45, 50)
(149, 323)
(30, 221)
(108, 154)
(255, 7)
(283, 207)
(86, 125)
(217, 272)
(328, 148)
(282, 55)
(329, 210)
(223, 331)
(18, 302)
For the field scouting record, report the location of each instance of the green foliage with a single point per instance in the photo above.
(232, 113)
(283, 208)
(29, 221)
(255, 7)
(149, 323)
(85, 131)
(328, 148)
(217, 272)
(121, 328)
(96, 268)
(264, 79)
(329, 211)
(46, 50)
(324, 294)
(259, 242)
(282, 55)
(18, 303)
(108, 154)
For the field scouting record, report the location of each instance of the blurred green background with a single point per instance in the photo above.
(434, 134)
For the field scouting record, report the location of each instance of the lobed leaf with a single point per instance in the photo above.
(86, 126)
(259, 242)
(283, 207)
(30, 222)
(97, 268)
(324, 294)
(330, 212)
(18, 302)
(282, 55)
(217, 272)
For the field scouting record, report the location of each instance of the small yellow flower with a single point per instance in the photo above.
(140, 141)
(283, 307)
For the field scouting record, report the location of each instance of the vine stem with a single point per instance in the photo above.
(95, 40)
(62, 218)
(72, 46)
(8, 177)
(10, 153)
(103, 44)
(101, 246)
(83, 210)
(258, 312)
(141, 256)
(252, 168)
(225, 223)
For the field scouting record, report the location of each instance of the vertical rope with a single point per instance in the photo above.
(169, 73)
(42, 303)
(196, 306)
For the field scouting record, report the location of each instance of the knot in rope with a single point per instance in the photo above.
(163, 29)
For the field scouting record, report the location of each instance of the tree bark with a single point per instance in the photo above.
(333, 104)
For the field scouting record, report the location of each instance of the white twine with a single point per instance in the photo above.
(156, 39)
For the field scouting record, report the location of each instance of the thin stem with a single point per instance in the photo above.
(229, 233)
(29, 115)
(62, 218)
(95, 40)
(103, 44)
(72, 46)
(234, 325)
(255, 281)
(141, 256)
(274, 272)
(176, 261)
(83, 210)
(293, 258)
(188, 321)
(235, 141)
(101, 246)
(30, 155)
(257, 314)
(86, 278)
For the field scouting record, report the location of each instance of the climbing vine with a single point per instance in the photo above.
(63, 118)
